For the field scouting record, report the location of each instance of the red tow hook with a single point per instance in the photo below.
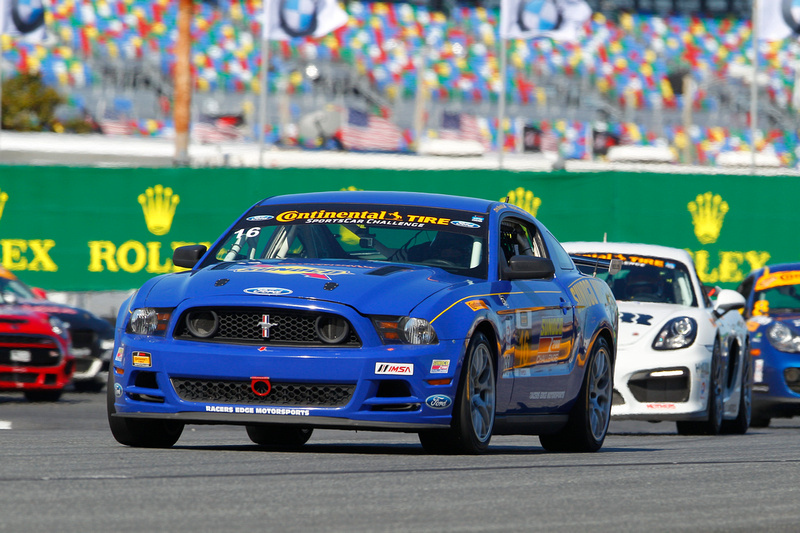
(260, 386)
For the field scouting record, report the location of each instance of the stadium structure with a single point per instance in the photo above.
(668, 75)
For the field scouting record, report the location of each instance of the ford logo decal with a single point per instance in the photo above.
(268, 291)
(463, 224)
(438, 401)
(260, 217)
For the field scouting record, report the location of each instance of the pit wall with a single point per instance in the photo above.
(95, 229)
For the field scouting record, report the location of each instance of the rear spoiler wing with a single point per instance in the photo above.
(590, 265)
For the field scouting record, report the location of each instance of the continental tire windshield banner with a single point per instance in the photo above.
(79, 229)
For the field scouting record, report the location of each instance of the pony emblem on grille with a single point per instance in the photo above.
(265, 324)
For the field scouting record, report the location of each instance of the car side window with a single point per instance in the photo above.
(519, 238)
(561, 255)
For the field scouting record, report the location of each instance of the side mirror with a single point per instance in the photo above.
(188, 256)
(728, 300)
(41, 294)
(527, 267)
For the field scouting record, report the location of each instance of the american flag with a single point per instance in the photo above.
(363, 131)
(462, 127)
(550, 141)
(116, 126)
(215, 130)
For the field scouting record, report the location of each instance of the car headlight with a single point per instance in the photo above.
(405, 330)
(782, 338)
(677, 333)
(149, 321)
(59, 327)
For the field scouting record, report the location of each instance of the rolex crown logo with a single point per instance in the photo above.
(158, 205)
(524, 199)
(3, 200)
(708, 212)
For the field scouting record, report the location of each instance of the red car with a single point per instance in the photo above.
(34, 353)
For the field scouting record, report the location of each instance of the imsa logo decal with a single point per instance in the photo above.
(394, 369)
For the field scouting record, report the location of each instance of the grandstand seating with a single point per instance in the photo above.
(628, 62)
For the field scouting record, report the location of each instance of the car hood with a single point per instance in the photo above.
(641, 321)
(756, 322)
(370, 288)
(77, 318)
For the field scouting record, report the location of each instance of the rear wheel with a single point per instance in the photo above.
(140, 433)
(740, 424)
(279, 436)
(474, 409)
(713, 422)
(588, 422)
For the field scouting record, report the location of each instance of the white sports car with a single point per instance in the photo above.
(681, 356)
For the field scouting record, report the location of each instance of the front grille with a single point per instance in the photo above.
(243, 325)
(83, 338)
(28, 350)
(672, 389)
(18, 377)
(285, 394)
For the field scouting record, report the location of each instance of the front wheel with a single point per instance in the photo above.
(740, 424)
(588, 421)
(713, 422)
(279, 436)
(43, 395)
(474, 409)
(140, 433)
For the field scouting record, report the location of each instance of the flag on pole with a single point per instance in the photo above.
(363, 131)
(778, 19)
(287, 19)
(23, 19)
(559, 20)
(462, 127)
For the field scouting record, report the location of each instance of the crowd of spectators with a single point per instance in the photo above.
(632, 61)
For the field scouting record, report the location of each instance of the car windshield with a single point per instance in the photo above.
(648, 279)
(13, 289)
(450, 239)
(777, 293)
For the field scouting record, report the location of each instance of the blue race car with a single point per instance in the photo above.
(773, 318)
(455, 318)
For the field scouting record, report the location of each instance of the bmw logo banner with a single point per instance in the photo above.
(778, 19)
(23, 18)
(287, 19)
(556, 19)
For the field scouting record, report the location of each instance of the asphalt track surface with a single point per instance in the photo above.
(61, 470)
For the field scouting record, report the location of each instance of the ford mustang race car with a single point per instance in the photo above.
(454, 318)
(34, 352)
(773, 318)
(681, 356)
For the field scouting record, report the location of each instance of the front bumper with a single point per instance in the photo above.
(36, 377)
(776, 384)
(214, 383)
(668, 385)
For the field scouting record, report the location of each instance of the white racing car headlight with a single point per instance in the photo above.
(677, 333)
(149, 321)
(782, 338)
(405, 330)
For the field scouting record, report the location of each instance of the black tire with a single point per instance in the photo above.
(759, 421)
(474, 408)
(93, 385)
(713, 422)
(279, 436)
(43, 395)
(140, 433)
(740, 424)
(588, 421)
